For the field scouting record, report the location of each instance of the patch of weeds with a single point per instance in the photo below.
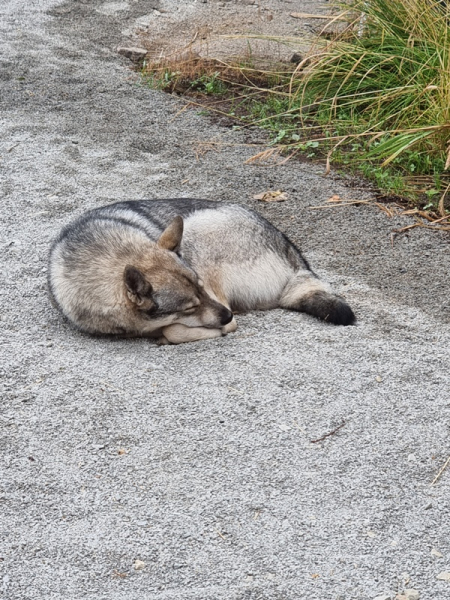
(209, 84)
(165, 80)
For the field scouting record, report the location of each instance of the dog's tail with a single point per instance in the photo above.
(305, 293)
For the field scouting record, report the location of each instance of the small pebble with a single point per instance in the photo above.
(139, 565)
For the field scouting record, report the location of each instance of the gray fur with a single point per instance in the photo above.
(222, 255)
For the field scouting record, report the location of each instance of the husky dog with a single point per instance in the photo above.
(178, 269)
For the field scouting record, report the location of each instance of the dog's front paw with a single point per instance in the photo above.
(162, 341)
(179, 334)
(229, 327)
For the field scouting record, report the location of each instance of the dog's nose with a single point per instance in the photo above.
(225, 316)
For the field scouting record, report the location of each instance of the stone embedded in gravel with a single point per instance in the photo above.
(134, 53)
(411, 594)
(444, 576)
(139, 565)
(408, 595)
(434, 552)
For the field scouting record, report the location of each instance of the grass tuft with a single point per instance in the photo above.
(382, 93)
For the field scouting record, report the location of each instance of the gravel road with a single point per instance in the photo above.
(202, 460)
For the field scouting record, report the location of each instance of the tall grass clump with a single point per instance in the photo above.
(381, 91)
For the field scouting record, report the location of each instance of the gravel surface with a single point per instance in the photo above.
(201, 461)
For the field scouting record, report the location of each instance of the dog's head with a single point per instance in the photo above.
(164, 290)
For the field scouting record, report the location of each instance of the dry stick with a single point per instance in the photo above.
(441, 471)
(436, 228)
(311, 16)
(331, 433)
(441, 219)
(408, 227)
(178, 113)
(390, 212)
(441, 208)
(422, 224)
(328, 165)
(337, 205)
(192, 103)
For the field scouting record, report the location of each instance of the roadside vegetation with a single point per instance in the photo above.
(374, 99)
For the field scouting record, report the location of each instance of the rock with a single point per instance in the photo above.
(434, 552)
(411, 594)
(444, 576)
(296, 58)
(408, 595)
(134, 53)
(139, 565)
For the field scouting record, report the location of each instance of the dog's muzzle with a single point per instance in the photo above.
(225, 316)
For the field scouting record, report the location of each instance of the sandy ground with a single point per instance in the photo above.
(199, 460)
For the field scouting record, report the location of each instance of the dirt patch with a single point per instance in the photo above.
(265, 29)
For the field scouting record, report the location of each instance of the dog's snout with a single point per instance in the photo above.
(225, 316)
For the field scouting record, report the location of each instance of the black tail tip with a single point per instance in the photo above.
(341, 313)
(328, 307)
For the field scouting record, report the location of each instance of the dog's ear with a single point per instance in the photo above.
(170, 238)
(138, 288)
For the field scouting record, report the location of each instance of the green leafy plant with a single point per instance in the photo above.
(209, 84)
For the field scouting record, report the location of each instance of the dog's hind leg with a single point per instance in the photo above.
(179, 334)
(307, 294)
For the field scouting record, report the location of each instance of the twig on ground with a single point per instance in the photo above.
(337, 205)
(328, 434)
(264, 156)
(441, 208)
(205, 147)
(441, 471)
(297, 15)
(178, 113)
